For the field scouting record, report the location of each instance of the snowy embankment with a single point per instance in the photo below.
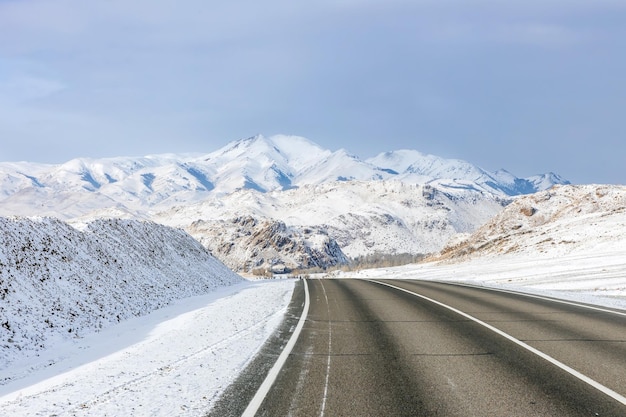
(59, 282)
(121, 317)
(172, 362)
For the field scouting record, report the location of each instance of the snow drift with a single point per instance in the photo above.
(59, 281)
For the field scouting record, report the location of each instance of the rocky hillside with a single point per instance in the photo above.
(322, 225)
(264, 245)
(59, 281)
(562, 220)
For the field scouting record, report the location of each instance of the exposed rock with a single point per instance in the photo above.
(246, 244)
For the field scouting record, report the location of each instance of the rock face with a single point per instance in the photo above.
(562, 220)
(248, 244)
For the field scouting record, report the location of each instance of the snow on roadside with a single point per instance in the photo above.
(174, 361)
(593, 277)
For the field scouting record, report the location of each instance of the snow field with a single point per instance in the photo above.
(590, 277)
(174, 361)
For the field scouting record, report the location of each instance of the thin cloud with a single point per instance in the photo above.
(24, 88)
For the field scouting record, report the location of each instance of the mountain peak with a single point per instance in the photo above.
(263, 163)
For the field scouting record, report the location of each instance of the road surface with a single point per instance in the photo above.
(419, 348)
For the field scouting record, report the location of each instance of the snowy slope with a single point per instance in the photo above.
(561, 221)
(566, 242)
(172, 362)
(361, 217)
(58, 281)
(415, 167)
(260, 163)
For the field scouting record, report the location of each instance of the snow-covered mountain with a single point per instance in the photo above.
(59, 281)
(320, 224)
(561, 221)
(415, 167)
(328, 205)
(262, 245)
(259, 163)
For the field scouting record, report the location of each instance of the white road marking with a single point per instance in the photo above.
(539, 297)
(260, 395)
(330, 340)
(616, 396)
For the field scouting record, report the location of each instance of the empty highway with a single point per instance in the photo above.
(419, 348)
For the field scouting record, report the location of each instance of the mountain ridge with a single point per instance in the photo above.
(266, 164)
(316, 207)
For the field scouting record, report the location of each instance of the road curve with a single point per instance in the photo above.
(367, 349)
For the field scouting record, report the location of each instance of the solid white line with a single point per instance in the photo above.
(330, 340)
(260, 395)
(618, 397)
(539, 297)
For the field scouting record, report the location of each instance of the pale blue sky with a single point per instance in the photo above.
(530, 86)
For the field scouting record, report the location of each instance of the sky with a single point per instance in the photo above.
(529, 86)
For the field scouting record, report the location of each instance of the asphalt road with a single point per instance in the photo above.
(367, 349)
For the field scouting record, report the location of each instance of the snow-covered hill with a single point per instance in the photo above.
(359, 217)
(415, 167)
(561, 221)
(259, 163)
(321, 205)
(59, 281)
(256, 245)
